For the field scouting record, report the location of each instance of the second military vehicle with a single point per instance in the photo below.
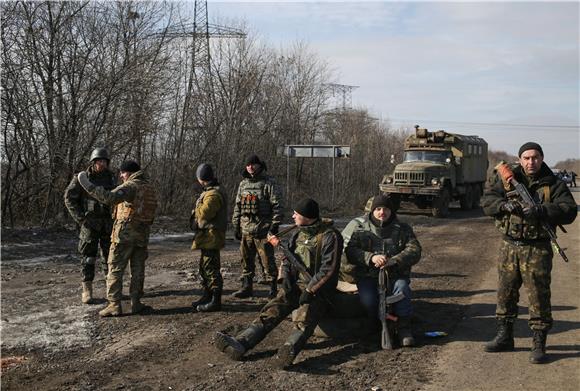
(439, 167)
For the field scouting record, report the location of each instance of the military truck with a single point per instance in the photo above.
(439, 167)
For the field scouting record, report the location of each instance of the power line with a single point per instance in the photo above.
(575, 127)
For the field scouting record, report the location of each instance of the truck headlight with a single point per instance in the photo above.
(389, 180)
(434, 181)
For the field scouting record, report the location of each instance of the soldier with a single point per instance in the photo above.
(210, 223)
(375, 241)
(135, 202)
(318, 246)
(257, 213)
(526, 254)
(93, 218)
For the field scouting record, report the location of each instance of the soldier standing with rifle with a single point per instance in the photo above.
(373, 243)
(257, 213)
(528, 229)
(93, 217)
(309, 274)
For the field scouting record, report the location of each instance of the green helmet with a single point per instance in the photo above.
(100, 153)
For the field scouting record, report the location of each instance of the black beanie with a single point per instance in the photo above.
(530, 145)
(307, 208)
(382, 200)
(253, 159)
(129, 166)
(204, 172)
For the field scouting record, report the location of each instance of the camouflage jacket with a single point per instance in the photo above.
(81, 205)
(319, 248)
(258, 206)
(363, 239)
(546, 188)
(210, 215)
(135, 203)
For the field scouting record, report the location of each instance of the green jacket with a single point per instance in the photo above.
(258, 206)
(135, 203)
(363, 239)
(318, 247)
(81, 205)
(211, 217)
(560, 208)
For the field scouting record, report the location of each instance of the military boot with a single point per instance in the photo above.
(273, 289)
(236, 347)
(246, 290)
(215, 304)
(404, 332)
(538, 352)
(204, 299)
(137, 307)
(87, 295)
(504, 339)
(288, 352)
(113, 309)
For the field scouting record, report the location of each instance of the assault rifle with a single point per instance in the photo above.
(275, 241)
(384, 306)
(507, 176)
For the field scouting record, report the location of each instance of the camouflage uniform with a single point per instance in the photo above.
(93, 218)
(210, 235)
(257, 211)
(526, 254)
(363, 238)
(318, 247)
(135, 203)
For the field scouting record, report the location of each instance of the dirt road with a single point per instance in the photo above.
(56, 343)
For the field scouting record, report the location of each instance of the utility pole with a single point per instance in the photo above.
(345, 91)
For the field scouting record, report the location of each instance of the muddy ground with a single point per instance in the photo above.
(59, 344)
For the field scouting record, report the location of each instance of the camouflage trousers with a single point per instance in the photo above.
(94, 233)
(249, 248)
(531, 265)
(120, 255)
(307, 315)
(209, 269)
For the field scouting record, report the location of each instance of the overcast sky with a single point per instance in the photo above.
(468, 67)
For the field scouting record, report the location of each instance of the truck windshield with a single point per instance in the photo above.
(429, 156)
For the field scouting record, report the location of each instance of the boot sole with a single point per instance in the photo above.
(285, 357)
(498, 350)
(223, 343)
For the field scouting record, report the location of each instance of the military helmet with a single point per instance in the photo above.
(100, 153)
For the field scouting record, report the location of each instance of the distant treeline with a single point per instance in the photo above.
(80, 75)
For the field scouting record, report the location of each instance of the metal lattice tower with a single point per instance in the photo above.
(201, 31)
(343, 90)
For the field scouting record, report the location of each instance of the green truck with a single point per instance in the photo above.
(439, 167)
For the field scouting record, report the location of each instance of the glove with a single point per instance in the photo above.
(305, 298)
(536, 211)
(238, 234)
(512, 207)
(85, 182)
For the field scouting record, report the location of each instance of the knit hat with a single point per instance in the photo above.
(204, 172)
(253, 159)
(307, 207)
(382, 200)
(129, 166)
(530, 145)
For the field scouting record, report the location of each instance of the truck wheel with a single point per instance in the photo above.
(466, 200)
(441, 204)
